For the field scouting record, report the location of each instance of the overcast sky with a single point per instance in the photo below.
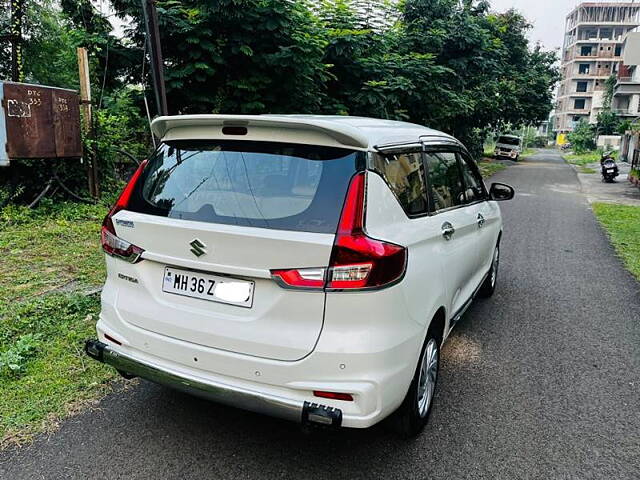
(547, 17)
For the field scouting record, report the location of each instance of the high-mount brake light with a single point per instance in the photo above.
(357, 261)
(111, 243)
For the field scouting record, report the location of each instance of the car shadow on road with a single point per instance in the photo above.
(152, 431)
(173, 421)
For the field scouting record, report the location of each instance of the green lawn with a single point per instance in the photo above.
(623, 226)
(51, 262)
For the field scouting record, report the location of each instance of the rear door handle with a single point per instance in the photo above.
(481, 220)
(448, 231)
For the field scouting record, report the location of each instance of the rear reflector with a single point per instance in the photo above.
(111, 339)
(347, 397)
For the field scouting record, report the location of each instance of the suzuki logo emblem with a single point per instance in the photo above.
(198, 248)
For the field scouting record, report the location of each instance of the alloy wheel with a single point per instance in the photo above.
(494, 266)
(428, 377)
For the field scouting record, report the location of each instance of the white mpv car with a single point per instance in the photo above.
(306, 267)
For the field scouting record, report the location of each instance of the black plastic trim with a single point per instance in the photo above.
(321, 415)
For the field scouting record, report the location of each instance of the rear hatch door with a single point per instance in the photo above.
(214, 218)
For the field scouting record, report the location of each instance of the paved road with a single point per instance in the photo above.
(541, 381)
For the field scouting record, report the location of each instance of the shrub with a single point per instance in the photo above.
(583, 138)
(13, 360)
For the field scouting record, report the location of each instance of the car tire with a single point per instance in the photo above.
(412, 416)
(489, 284)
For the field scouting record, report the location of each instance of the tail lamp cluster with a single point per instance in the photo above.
(357, 261)
(111, 243)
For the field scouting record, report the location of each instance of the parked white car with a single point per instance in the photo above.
(508, 146)
(306, 267)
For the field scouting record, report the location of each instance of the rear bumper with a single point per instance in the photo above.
(235, 396)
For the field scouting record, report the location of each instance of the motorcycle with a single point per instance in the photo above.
(609, 168)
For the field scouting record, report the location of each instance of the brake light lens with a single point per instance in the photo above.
(357, 260)
(111, 243)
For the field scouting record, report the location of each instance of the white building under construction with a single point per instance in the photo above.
(594, 32)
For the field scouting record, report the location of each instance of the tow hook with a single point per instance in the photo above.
(317, 415)
(95, 349)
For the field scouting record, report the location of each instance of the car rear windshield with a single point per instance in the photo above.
(254, 184)
(509, 140)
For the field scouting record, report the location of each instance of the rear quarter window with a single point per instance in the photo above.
(404, 173)
(257, 184)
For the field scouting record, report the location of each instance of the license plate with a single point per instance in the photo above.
(610, 170)
(208, 287)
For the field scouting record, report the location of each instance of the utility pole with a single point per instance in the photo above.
(155, 54)
(87, 125)
(17, 12)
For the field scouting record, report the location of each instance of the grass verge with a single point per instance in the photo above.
(622, 223)
(527, 153)
(583, 158)
(50, 259)
(489, 149)
(489, 167)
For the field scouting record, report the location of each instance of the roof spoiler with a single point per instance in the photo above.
(290, 129)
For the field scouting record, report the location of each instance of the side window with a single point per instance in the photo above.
(472, 181)
(447, 190)
(404, 172)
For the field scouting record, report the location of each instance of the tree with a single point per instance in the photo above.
(608, 123)
(494, 77)
(624, 127)
(582, 138)
(237, 56)
(454, 65)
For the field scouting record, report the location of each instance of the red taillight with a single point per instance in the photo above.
(111, 243)
(347, 397)
(125, 196)
(357, 260)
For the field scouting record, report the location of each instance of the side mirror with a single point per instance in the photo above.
(501, 192)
